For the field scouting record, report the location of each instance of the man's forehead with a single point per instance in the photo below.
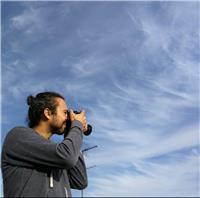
(61, 103)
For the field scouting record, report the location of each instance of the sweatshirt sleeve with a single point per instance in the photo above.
(24, 147)
(78, 174)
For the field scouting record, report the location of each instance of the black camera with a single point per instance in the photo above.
(68, 125)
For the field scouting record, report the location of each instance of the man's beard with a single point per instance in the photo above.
(58, 130)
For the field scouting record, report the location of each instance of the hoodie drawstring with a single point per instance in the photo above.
(51, 179)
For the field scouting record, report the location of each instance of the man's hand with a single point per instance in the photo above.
(80, 117)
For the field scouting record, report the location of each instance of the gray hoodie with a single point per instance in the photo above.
(35, 167)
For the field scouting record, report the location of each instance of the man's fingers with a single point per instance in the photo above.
(80, 117)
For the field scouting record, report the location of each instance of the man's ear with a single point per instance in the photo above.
(47, 113)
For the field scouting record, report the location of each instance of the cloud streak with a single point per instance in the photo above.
(160, 180)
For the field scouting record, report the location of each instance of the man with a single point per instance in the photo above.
(34, 166)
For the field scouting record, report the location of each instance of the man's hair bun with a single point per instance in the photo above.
(30, 100)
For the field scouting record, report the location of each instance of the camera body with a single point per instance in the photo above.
(68, 125)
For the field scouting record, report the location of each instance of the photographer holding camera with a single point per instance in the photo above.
(33, 165)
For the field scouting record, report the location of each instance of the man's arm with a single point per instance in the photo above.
(24, 147)
(78, 174)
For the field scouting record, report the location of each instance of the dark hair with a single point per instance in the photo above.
(39, 103)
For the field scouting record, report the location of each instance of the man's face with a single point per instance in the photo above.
(58, 122)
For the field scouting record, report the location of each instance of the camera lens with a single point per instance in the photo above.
(89, 130)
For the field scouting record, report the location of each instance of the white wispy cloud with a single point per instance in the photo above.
(13, 73)
(142, 145)
(28, 22)
(160, 180)
(87, 66)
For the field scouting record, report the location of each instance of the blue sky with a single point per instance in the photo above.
(134, 68)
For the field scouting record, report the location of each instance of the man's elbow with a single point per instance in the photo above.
(70, 163)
